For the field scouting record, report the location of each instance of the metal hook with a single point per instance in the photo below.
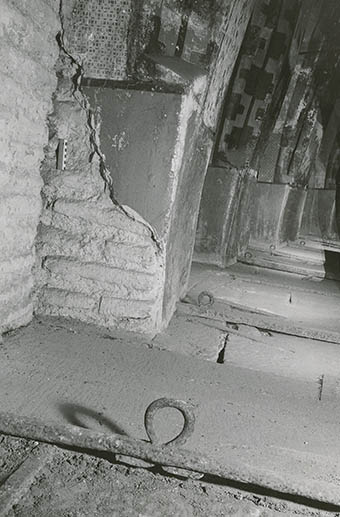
(188, 428)
(184, 407)
(202, 296)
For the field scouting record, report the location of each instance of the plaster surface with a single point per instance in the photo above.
(138, 134)
(28, 54)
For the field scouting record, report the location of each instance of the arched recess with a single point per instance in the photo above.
(276, 153)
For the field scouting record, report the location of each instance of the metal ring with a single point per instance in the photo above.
(205, 294)
(187, 412)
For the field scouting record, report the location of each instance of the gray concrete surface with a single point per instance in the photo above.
(295, 301)
(73, 373)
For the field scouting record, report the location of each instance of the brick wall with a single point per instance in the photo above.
(96, 262)
(28, 51)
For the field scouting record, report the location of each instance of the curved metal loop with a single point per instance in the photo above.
(201, 297)
(184, 407)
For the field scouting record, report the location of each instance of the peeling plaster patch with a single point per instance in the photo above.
(138, 218)
(120, 141)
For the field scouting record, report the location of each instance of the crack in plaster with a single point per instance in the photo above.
(94, 135)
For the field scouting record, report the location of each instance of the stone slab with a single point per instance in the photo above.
(223, 228)
(268, 206)
(283, 308)
(320, 215)
(253, 419)
(217, 214)
(138, 134)
(287, 356)
(191, 338)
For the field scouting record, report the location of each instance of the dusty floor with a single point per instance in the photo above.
(73, 484)
(264, 401)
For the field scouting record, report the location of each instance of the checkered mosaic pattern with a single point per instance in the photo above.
(263, 52)
(100, 37)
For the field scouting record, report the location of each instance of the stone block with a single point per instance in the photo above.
(69, 300)
(292, 215)
(55, 302)
(96, 279)
(223, 228)
(107, 216)
(227, 38)
(217, 214)
(320, 217)
(139, 149)
(131, 257)
(77, 187)
(240, 232)
(276, 214)
(119, 308)
(191, 338)
(122, 255)
(180, 245)
(267, 207)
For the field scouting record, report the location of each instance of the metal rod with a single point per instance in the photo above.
(168, 455)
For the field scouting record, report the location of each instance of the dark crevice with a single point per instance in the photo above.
(268, 492)
(321, 385)
(81, 98)
(252, 489)
(187, 9)
(221, 355)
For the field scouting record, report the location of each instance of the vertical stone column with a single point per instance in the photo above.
(28, 54)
